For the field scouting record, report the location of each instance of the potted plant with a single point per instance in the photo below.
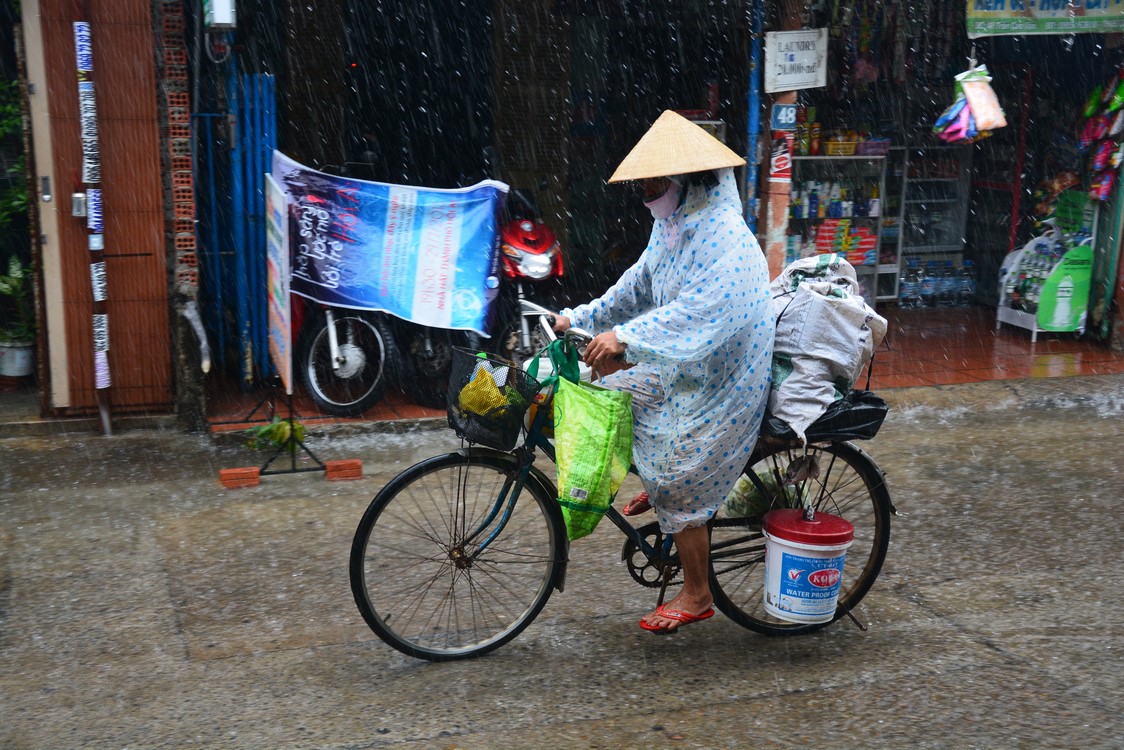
(17, 310)
(17, 327)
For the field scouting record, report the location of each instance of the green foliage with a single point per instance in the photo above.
(18, 322)
(276, 435)
(16, 286)
(13, 197)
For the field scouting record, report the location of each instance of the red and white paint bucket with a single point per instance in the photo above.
(804, 564)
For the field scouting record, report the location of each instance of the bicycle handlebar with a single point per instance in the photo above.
(576, 336)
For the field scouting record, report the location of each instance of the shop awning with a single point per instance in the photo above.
(1006, 17)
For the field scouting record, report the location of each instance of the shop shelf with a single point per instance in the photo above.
(835, 218)
(860, 157)
(931, 248)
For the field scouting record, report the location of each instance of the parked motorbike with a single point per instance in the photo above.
(347, 357)
(342, 358)
(532, 269)
(425, 359)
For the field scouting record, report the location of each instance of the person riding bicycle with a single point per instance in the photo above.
(688, 331)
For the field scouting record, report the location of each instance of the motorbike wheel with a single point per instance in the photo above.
(506, 343)
(358, 383)
(429, 357)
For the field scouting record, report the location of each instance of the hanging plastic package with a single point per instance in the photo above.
(826, 334)
(976, 84)
(974, 113)
(593, 448)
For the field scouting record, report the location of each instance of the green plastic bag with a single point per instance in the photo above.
(593, 447)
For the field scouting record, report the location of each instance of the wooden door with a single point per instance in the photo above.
(140, 358)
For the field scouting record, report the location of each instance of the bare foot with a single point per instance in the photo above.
(692, 609)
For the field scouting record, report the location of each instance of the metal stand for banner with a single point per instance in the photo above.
(269, 400)
(291, 444)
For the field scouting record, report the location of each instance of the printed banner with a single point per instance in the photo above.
(421, 254)
(999, 17)
(277, 275)
(1064, 299)
(94, 211)
(83, 47)
(97, 280)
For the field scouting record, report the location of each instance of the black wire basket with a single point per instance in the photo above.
(488, 398)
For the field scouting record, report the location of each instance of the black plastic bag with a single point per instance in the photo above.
(858, 416)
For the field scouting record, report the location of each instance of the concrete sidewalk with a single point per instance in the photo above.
(143, 605)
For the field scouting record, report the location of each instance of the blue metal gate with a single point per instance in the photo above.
(234, 150)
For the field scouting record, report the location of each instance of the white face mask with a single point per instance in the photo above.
(665, 205)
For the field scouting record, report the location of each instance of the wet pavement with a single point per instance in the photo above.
(143, 605)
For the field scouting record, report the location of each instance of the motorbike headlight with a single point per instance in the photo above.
(532, 265)
(535, 266)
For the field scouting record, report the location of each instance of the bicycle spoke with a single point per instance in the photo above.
(847, 485)
(426, 591)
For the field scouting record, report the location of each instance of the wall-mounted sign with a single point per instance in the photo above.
(998, 17)
(218, 14)
(784, 117)
(795, 60)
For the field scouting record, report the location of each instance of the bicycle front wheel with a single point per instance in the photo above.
(446, 564)
(849, 484)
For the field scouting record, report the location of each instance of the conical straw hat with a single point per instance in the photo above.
(674, 145)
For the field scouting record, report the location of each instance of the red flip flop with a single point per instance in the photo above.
(638, 505)
(684, 618)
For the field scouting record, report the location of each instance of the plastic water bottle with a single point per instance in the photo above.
(928, 286)
(946, 285)
(909, 287)
(966, 288)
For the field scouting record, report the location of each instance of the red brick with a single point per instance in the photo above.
(179, 115)
(178, 99)
(177, 131)
(173, 24)
(245, 476)
(350, 468)
(173, 56)
(187, 280)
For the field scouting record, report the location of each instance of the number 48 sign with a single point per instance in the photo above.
(784, 117)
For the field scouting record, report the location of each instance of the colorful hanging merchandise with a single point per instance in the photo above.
(1101, 135)
(976, 111)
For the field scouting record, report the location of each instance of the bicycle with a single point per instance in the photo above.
(459, 553)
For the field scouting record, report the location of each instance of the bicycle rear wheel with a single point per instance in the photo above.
(435, 570)
(849, 485)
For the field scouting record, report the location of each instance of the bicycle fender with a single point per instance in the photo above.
(547, 487)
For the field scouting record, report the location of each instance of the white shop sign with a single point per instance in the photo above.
(795, 60)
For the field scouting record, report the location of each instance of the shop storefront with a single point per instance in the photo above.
(936, 222)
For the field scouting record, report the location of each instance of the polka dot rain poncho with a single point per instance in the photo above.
(695, 317)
